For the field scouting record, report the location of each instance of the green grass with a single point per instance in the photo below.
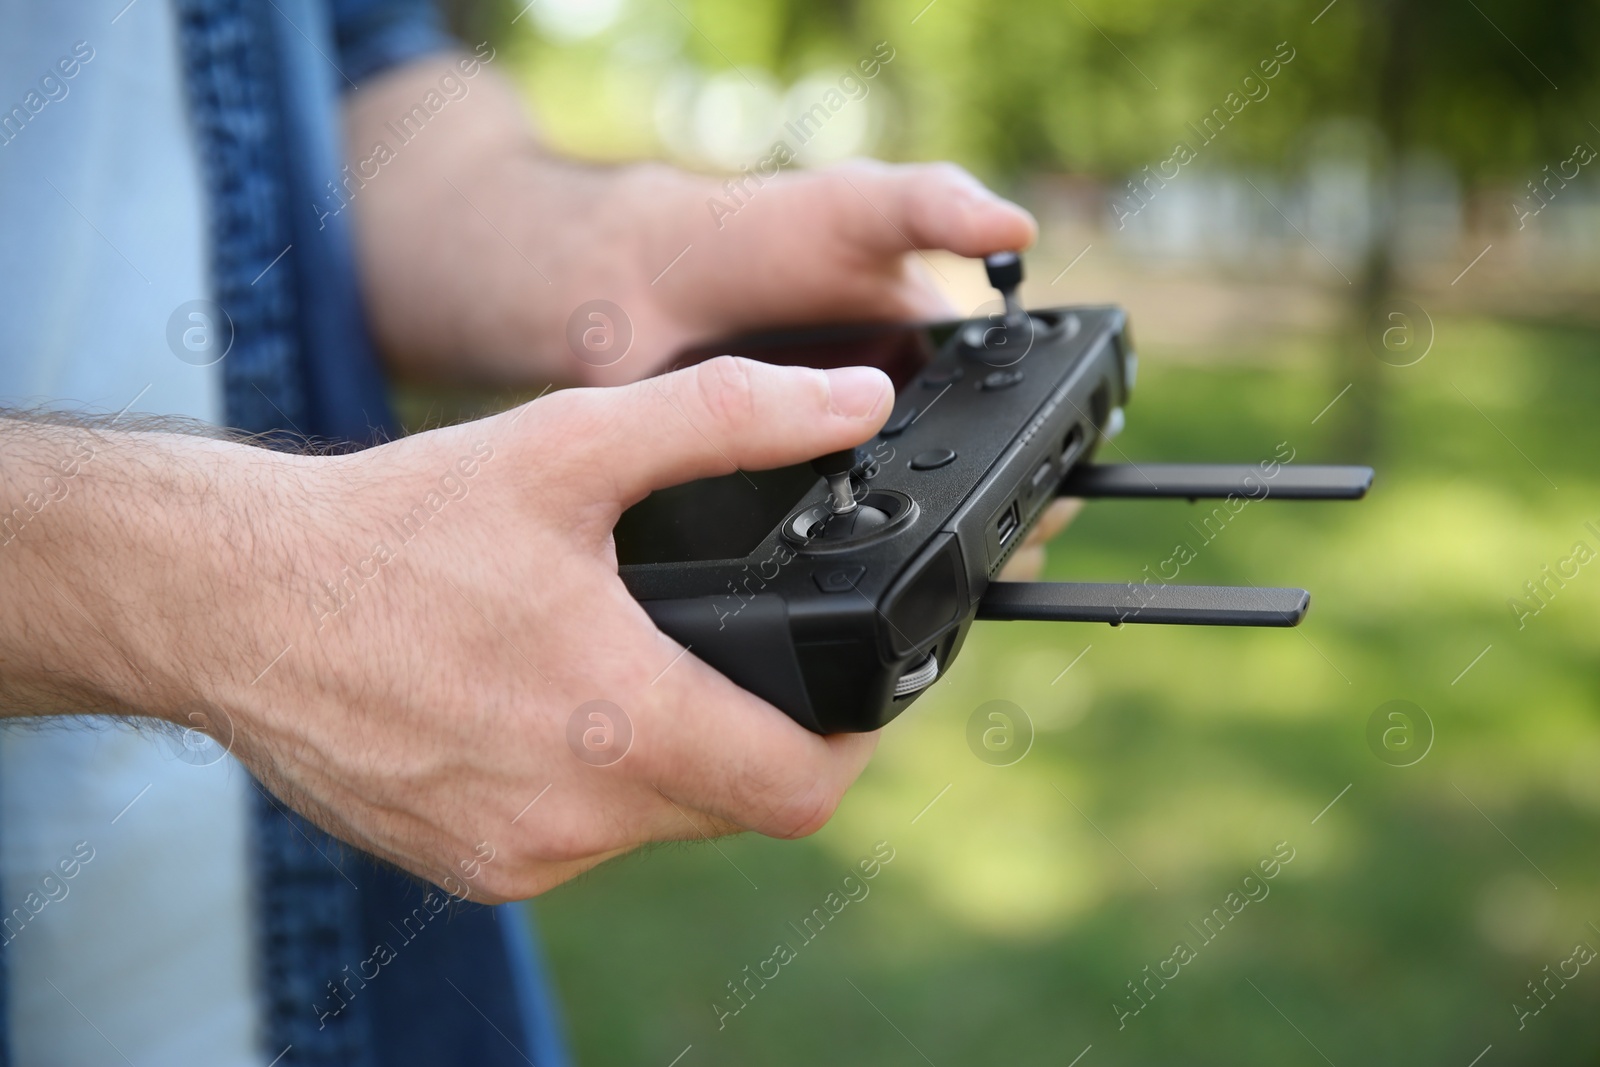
(1008, 923)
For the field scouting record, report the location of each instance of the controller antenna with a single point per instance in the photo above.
(836, 468)
(1005, 274)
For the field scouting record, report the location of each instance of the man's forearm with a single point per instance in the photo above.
(104, 572)
(477, 246)
(474, 243)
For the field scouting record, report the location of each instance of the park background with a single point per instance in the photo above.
(1359, 264)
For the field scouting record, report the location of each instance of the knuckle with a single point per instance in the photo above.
(946, 171)
(566, 840)
(935, 179)
(726, 390)
(563, 414)
(805, 812)
(941, 183)
(927, 187)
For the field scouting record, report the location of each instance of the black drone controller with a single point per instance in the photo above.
(840, 590)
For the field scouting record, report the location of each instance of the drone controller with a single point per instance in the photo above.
(840, 590)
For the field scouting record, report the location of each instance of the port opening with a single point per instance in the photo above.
(1100, 406)
(1071, 445)
(1009, 522)
(1041, 479)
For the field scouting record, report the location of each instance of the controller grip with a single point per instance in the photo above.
(750, 644)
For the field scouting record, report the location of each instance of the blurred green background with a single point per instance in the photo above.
(1356, 265)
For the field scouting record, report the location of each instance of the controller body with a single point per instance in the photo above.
(844, 630)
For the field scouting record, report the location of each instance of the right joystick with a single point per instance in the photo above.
(1005, 274)
(1003, 339)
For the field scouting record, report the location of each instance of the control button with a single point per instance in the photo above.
(1000, 379)
(839, 579)
(939, 377)
(932, 459)
(1042, 475)
(918, 678)
(897, 423)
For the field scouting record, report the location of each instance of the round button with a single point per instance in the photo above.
(1000, 379)
(899, 424)
(932, 459)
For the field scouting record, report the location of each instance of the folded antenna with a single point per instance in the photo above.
(1114, 603)
(1195, 480)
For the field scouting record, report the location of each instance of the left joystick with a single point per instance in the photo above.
(836, 468)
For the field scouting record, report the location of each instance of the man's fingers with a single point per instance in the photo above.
(926, 302)
(732, 756)
(720, 416)
(931, 206)
(1056, 518)
(1027, 562)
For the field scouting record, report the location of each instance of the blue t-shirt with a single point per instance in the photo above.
(104, 224)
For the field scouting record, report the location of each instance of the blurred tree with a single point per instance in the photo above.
(1475, 86)
(1498, 89)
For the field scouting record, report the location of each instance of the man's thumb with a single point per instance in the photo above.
(728, 414)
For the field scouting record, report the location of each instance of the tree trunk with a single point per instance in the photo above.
(1360, 429)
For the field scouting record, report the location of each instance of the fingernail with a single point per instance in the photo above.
(855, 392)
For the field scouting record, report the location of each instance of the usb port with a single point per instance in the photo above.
(1010, 520)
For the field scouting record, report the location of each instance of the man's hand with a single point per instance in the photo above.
(399, 640)
(477, 246)
(1027, 562)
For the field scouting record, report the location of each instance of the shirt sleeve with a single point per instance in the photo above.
(374, 35)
